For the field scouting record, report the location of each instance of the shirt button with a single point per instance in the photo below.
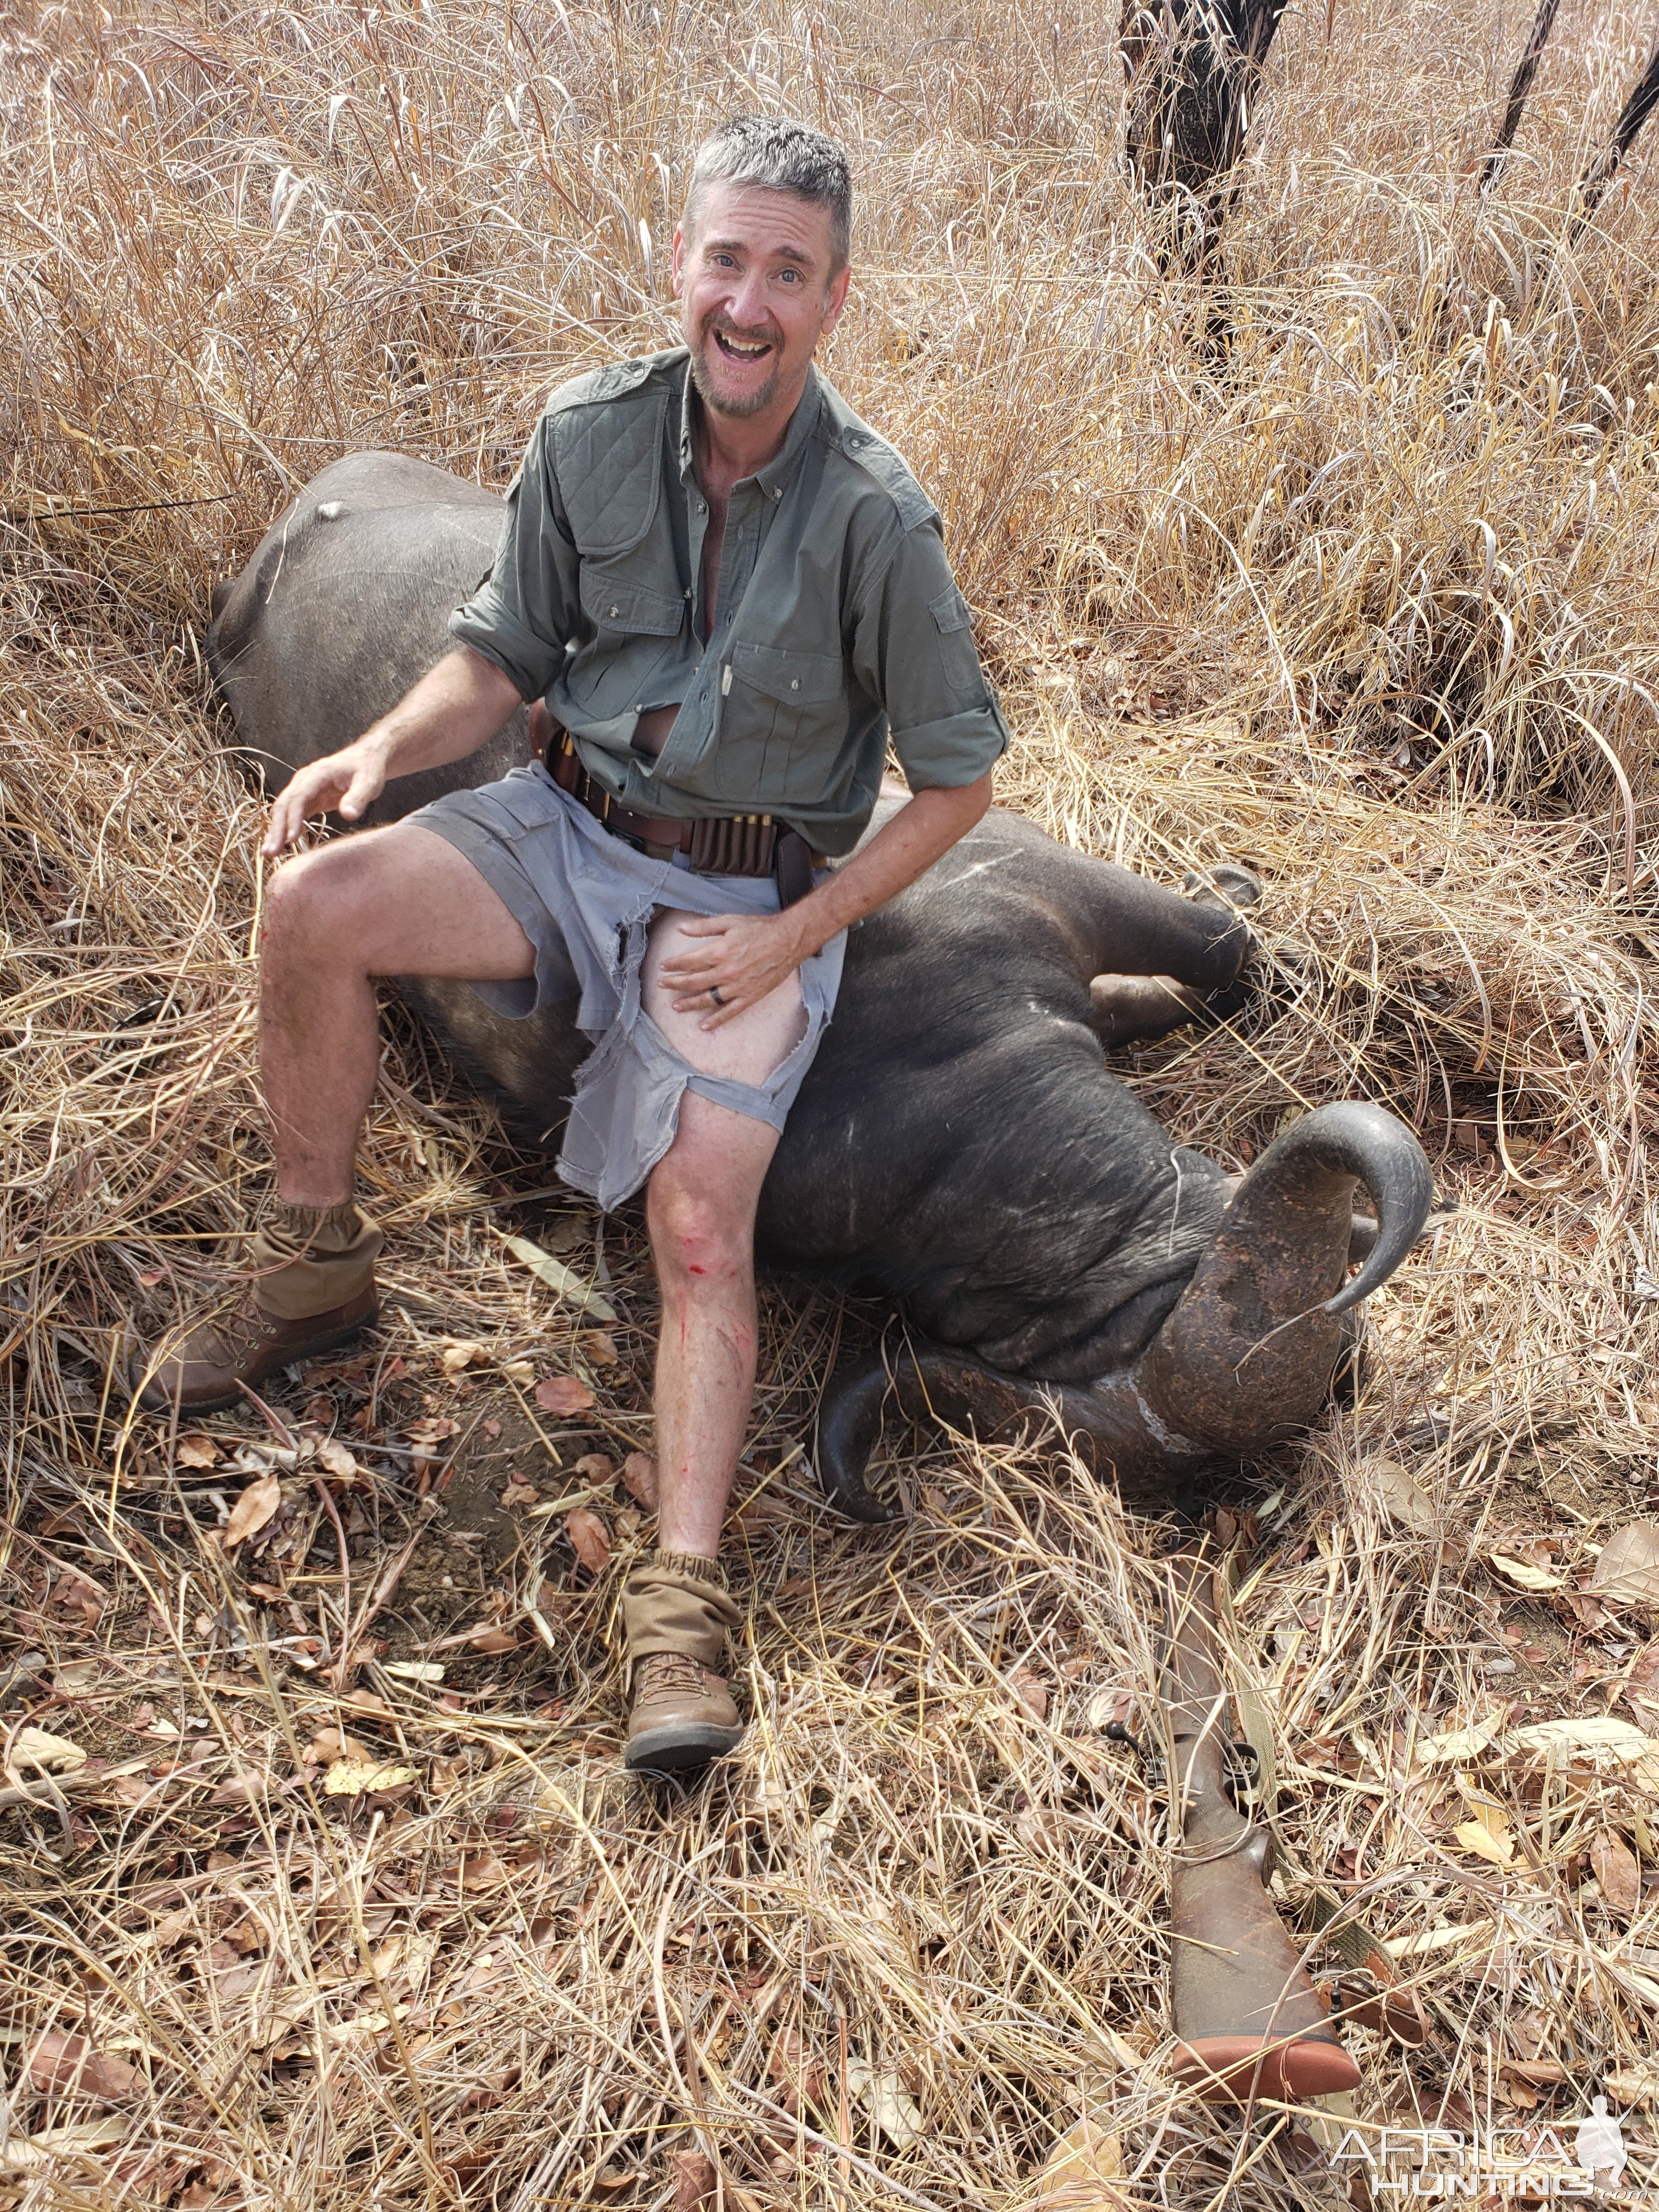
(794, 684)
(615, 611)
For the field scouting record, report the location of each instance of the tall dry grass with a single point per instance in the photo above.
(1365, 599)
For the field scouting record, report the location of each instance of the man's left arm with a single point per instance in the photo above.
(913, 648)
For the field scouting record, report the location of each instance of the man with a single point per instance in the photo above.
(723, 593)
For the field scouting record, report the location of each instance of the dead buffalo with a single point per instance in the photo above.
(960, 1148)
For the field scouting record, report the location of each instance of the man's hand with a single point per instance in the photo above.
(347, 783)
(455, 708)
(743, 956)
(746, 955)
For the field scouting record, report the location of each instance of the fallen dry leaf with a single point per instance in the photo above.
(415, 1670)
(352, 1778)
(1627, 1570)
(60, 2065)
(1634, 2085)
(590, 1538)
(330, 1744)
(563, 1282)
(1109, 1709)
(1617, 1872)
(255, 1507)
(1032, 1690)
(694, 2179)
(461, 1353)
(334, 1459)
(1081, 2173)
(517, 1494)
(599, 1347)
(363, 2024)
(1523, 1573)
(36, 1747)
(889, 2104)
(639, 1474)
(492, 1640)
(28, 2153)
(1040, 1828)
(1397, 1492)
(596, 1468)
(1486, 1833)
(1594, 1732)
(563, 1394)
(197, 1451)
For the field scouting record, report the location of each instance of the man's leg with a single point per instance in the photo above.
(700, 1210)
(395, 901)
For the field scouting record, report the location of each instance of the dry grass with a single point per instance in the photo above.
(1368, 601)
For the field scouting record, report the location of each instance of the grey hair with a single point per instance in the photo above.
(783, 156)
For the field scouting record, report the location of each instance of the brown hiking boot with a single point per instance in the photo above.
(245, 1345)
(682, 1717)
(310, 1287)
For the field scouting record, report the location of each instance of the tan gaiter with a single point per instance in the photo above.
(308, 1259)
(676, 1601)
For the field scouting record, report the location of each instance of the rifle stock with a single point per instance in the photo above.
(1250, 2021)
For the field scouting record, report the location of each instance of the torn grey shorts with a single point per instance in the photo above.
(585, 900)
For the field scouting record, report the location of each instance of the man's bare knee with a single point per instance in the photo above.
(310, 905)
(695, 1234)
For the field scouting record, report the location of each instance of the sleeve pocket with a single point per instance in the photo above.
(959, 655)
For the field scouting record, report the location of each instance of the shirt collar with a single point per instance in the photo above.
(774, 478)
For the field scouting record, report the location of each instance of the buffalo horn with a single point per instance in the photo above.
(1246, 1355)
(927, 1383)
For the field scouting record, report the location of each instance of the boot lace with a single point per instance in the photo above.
(670, 1671)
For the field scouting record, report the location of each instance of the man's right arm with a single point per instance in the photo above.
(455, 708)
(509, 643)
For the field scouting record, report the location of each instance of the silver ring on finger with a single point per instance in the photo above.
(715, 993)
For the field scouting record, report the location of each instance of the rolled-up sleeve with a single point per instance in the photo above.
(524, 611)
(913, 650)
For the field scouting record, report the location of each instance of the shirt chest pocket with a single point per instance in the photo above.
(633, 623)
(782, 723)
(620, 604)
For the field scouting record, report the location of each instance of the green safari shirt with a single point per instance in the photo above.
(837, 622)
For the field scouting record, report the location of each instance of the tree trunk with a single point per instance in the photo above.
(1193, 67)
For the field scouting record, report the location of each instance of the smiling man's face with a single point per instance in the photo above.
(756, 293)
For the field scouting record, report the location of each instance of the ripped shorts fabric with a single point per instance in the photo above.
(585, 900)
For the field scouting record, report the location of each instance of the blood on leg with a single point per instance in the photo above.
(701, 1211)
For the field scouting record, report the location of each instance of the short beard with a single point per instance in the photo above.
(736, 411)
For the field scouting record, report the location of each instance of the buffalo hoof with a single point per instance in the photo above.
(1225, 884)
(1138, 1009)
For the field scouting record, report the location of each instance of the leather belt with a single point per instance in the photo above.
(713, 845)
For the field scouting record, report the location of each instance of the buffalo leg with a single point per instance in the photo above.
(1201, 946)
(1250, 2021)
